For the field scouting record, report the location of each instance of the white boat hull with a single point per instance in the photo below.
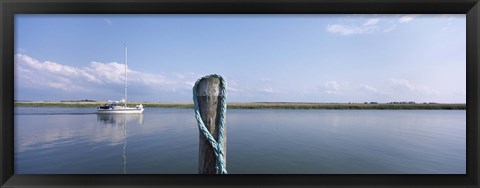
(120, 111)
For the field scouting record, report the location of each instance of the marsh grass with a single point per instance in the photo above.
(261, 105)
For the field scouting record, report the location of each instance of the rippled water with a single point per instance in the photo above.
(165, 141)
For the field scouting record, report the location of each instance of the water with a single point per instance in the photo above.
(165, 141)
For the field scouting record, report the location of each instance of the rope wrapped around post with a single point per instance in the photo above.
(217, 145)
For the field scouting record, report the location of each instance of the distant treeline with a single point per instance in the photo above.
(403, 102)
(268, 105)
(346, 106)
(85, 100)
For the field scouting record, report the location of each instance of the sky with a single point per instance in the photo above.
(263, 58)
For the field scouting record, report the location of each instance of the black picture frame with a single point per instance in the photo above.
(9, 8)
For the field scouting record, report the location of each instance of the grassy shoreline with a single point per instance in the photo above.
(261, 105)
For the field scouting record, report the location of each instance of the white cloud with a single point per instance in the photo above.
(21, 50)
(154, 79)
(368, 26)
(407, 18)
(233, 89)
(233, 86)
(403, 83)
(390, 28)
(332, 87)
(361, 24)
(367, 88)
(415, 88)
(96, 75)
(107, 72)
(190, 83)
(265, 79)
(449, 23)
(267, 90)
(179, 75)
(64, 86)
(109, 22)
(349, 29)
(51, 74)
(371, 22)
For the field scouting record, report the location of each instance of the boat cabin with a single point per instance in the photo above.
(110, 105)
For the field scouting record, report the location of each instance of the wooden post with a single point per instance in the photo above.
(208, 92)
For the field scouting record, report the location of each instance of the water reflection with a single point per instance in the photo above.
(325, 142)
(121, 120)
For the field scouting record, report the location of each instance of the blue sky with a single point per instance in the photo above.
(291, 58)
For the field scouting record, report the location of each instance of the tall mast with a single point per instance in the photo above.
(125, 75)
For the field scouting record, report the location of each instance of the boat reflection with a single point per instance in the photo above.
(121, 120)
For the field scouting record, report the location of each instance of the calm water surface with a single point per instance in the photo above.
(165, 141)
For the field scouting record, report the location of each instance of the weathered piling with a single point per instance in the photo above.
(209, 92)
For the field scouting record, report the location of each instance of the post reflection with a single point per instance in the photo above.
(121, 120)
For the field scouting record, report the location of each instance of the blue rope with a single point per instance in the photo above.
(216, 145)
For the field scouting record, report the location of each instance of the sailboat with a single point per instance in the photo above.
(116, 107)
